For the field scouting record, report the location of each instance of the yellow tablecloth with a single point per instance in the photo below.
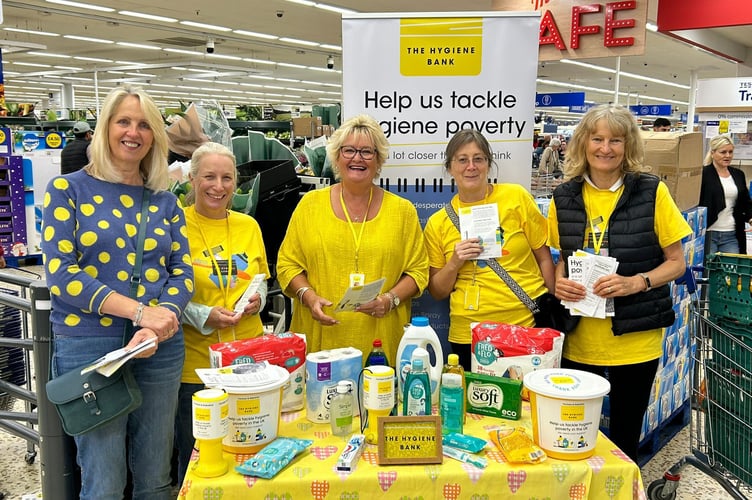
(608, 474)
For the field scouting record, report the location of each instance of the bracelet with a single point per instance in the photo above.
(301, 291)
(139, 314)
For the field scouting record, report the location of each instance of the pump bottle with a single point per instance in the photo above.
(341, 411)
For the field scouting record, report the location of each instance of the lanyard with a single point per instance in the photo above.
(459, 205)
(224, 285)
(357, 237)
(598, 242)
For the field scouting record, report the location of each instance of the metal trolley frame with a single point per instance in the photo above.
(720, 430)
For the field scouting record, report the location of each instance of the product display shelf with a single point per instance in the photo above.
(663, 433)
(12, 203)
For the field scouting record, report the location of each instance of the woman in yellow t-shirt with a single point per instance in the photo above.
(609, 206)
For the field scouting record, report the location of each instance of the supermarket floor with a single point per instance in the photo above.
(20, 480)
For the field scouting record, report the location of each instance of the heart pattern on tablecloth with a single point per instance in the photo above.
(578, 491)
(321, 434)
(496, 456)
(515, 480)
(291, 416)
(275, 496)
(620, 454)
(240, 458)
(304, 426)
(213, 493)
(323, 452)
(452, 491)
(474, 416)
(613, 485)
(637, 491)
(432, 471)
(349, 495)
(561, 471)
(476, 496)
(371, 457)
(301, 472)
(596, 463)
(319, 489)
(250, 481)
(386, 479)
(473, 472)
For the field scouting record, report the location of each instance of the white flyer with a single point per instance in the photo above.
(253, 287)
(355, 296)
(482, 221)
(586, 268)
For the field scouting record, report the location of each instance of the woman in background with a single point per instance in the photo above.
(227, 251)
(475, 291)
(726, 194)
(91, 222)
(352, 233)
(609, 206)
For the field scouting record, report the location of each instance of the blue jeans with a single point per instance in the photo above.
(722, 241)
(147, 431)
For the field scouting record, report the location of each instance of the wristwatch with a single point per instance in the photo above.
(648, 286)
(393, 299)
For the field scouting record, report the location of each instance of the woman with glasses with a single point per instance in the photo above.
(458, 267)
(726, 194)
(347, 235)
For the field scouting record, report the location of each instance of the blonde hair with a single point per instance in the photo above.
(358, 126)
(715, 144)
(620, 122)
(210, 148)
(153, 166)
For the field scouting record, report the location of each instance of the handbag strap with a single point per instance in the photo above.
(136, 275)
(497, 268)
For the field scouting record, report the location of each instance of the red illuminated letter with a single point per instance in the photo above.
(612, 24)
(548, 24)
(577, 28)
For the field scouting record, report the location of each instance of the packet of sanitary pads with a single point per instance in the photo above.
(273, 457)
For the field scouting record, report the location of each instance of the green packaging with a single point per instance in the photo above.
(499, 397)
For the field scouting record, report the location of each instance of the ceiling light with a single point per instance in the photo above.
(307, 3)
(333, 8)
(48, 54)
(258, 61)
(68, 67)
(330, 47)
(256, 35)
(31, 32)
(205, 26)
(92, 59)
(182, 51)
(87, 39)
(141, 15)
(299, 42)
(82, 5)
(289, 65)
(36, 65)
(224, 56)
(139, 46)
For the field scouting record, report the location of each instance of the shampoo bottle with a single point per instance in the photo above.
(341, 411)
(417, 397)
(453, 366)
(451, 408)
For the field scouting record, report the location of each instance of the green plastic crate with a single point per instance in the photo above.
(732, 342)
(730, 443)
(729, 388)
(730, 287)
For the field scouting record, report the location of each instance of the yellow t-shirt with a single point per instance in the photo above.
(323, 246)
(239, 238)
(593, 342)
(524, 229)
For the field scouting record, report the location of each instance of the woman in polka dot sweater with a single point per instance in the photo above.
(90, 229)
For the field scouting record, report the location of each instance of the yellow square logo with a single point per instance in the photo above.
(441, 46)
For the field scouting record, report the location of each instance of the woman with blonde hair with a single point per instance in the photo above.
(349, 234)
(725, 193)
(609, 206)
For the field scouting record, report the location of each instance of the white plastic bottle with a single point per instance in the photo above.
(419, 334)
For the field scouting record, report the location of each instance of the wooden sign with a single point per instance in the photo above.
(410, 440)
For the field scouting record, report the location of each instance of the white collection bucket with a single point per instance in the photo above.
(254, 412)
(566, 410)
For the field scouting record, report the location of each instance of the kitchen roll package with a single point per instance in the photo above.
(323, 370)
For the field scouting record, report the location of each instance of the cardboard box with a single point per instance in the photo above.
(307, 127)
(676, 157)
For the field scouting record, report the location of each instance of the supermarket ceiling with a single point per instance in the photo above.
(277, 52)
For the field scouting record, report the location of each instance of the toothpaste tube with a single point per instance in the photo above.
(350, 455)
(470, 444)
(460, 455)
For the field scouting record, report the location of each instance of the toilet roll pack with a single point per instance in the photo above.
(323, 370)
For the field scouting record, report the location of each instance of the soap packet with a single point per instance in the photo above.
(516, 445)
(273, 457)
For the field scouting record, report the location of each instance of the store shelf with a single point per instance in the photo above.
(261, 125)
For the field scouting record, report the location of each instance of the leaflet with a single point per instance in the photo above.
(482, 221)
(253, 287)
(113, 360)
(586, 268)
(357, 295)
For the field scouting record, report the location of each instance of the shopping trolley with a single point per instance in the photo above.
(720, 429)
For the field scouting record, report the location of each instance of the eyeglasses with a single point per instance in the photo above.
(478, 161)
(349, 152)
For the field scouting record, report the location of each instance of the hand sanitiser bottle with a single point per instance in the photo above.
(341, 411)
(451, 408)
(417, 387)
